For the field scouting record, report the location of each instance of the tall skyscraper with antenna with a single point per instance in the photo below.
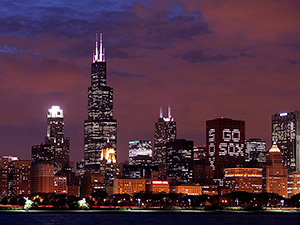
(100, 129)
(165, 130)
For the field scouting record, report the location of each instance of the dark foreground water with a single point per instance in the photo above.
(153, 219)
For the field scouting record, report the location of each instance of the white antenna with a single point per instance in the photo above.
(99, 53)
(160, 112)
(169, 111)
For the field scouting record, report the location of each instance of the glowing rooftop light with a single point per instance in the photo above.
(99, 52)
(55, 112)
(274, 148)
(283, 114)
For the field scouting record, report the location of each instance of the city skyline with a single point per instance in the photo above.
(206, 60)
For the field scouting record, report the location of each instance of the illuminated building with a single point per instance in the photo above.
(276, 174)
(56, 148)
(159, 186)
(100, 129)
(138, 171)
(293, 184)
(199, 164)
(129, 186)
(60, 185)
(244, 179)
(92, 182)
(225, 147)
(210, 189)
(255, 151)
(187, 189)
(286, 133)
(165, 130)
(20, 177)
(4, 164)
(42, 178)
(139, 148)
(199, 153)
(74, 190)
(180, 160)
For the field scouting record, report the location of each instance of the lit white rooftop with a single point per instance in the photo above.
(274, 148)
(55, 112)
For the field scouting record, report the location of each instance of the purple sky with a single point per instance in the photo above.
(207, 59)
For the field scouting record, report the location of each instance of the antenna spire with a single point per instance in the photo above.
(99, 53)
(161, 113)
(169, 111)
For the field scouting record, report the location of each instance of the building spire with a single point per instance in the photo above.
(169, 111)
(161, 113)
(99, 53)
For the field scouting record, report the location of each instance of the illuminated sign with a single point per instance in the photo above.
(229, 146)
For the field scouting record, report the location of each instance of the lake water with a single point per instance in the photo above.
(153, 219)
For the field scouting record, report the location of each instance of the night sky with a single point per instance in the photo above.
(207, 59)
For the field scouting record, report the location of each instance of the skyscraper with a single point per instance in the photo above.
(255, 151)
(286, 133)
(225, 140)
(139, 149)
(100, 129)
(165, 130)
(56, 149)
(179, 159)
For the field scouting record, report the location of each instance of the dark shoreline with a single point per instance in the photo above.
(148, 211)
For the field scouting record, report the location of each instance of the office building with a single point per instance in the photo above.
(180, 160)
(19, 177)
(165, 130)
(60, 184)
(244, 179)
(276, 174)
(187, 189)
(42, 178)
(286, 133)
(141, 149)
(100, 129)
(129, 186)
(160, 186)
(293, 184)
(255, 151)
(225, 140)
(56, 149)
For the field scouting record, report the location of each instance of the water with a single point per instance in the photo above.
(153, 219)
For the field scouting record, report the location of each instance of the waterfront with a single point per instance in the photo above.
(144, 218)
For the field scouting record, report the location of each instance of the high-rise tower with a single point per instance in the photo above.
(56, 149)
(165, 130)
(100, 129)
(286, 133)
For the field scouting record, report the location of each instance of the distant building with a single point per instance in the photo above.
(160, 186)
(255, 151)
(286, 133)
(138, 171)
(225, 140)
(140, 149)
(60, 185)
(180, 160)
(210, 189)
(92, 182)
(187, 189)
(293, 184)
(244, 179)
(20, 177)
(56, 149)
(100, 129)
(42, 178)
(129, 186)
(165, 130)
(276, 174)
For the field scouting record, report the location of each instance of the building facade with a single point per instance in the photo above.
(139, 148)
(225, 140)
(276, 174)
(165, 130)
(100, 129)
(293, 184)
(42, 178)
(56, 149)
(180, 160)
(286, 133)
(129, 186)
(244, 179)
(255, 151)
